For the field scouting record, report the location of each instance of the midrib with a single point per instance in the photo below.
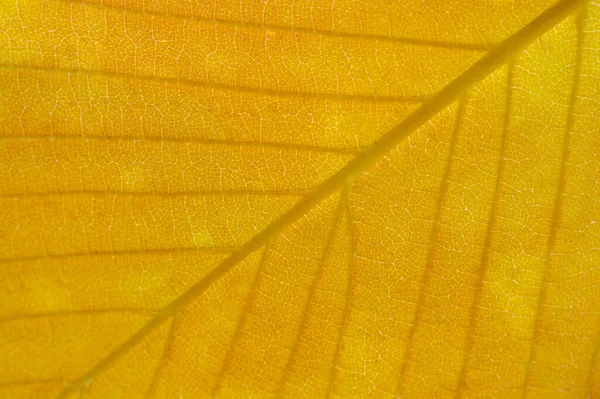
(482, 68)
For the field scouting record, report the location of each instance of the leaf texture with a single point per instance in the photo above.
(299, 199)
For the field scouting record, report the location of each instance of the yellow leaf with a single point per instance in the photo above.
(299, 199)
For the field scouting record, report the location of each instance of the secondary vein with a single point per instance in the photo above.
(491, 61)
(215, 86)
(290, 29)
(558, 201)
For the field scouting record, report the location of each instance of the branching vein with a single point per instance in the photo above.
(558, 201)
(216, 86)
(290, 29)
(309, 299)
(431, 254)
(165, 355)
(487, 247)
(242, 320)
(79, 312)
(478, 71)
(164, 140)
(149, 251)
(349, 295)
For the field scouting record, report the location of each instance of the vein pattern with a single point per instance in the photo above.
(495, 58)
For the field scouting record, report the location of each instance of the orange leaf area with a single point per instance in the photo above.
(299, 199)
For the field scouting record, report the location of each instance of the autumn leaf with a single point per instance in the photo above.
(299, 199)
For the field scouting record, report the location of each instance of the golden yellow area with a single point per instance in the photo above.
(299, 199)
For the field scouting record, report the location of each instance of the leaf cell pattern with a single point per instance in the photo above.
(299, 199)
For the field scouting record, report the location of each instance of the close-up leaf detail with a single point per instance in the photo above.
(299, 199)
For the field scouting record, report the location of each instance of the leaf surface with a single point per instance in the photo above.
(299, 199)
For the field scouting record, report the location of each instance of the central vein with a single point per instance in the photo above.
(487, 64)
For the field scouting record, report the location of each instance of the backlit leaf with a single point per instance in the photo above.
(295, 198)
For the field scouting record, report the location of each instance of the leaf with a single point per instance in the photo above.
(299, 199)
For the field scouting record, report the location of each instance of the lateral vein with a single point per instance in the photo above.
(291, 29)
(558, 201)
(478, 71)
(215, 86)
